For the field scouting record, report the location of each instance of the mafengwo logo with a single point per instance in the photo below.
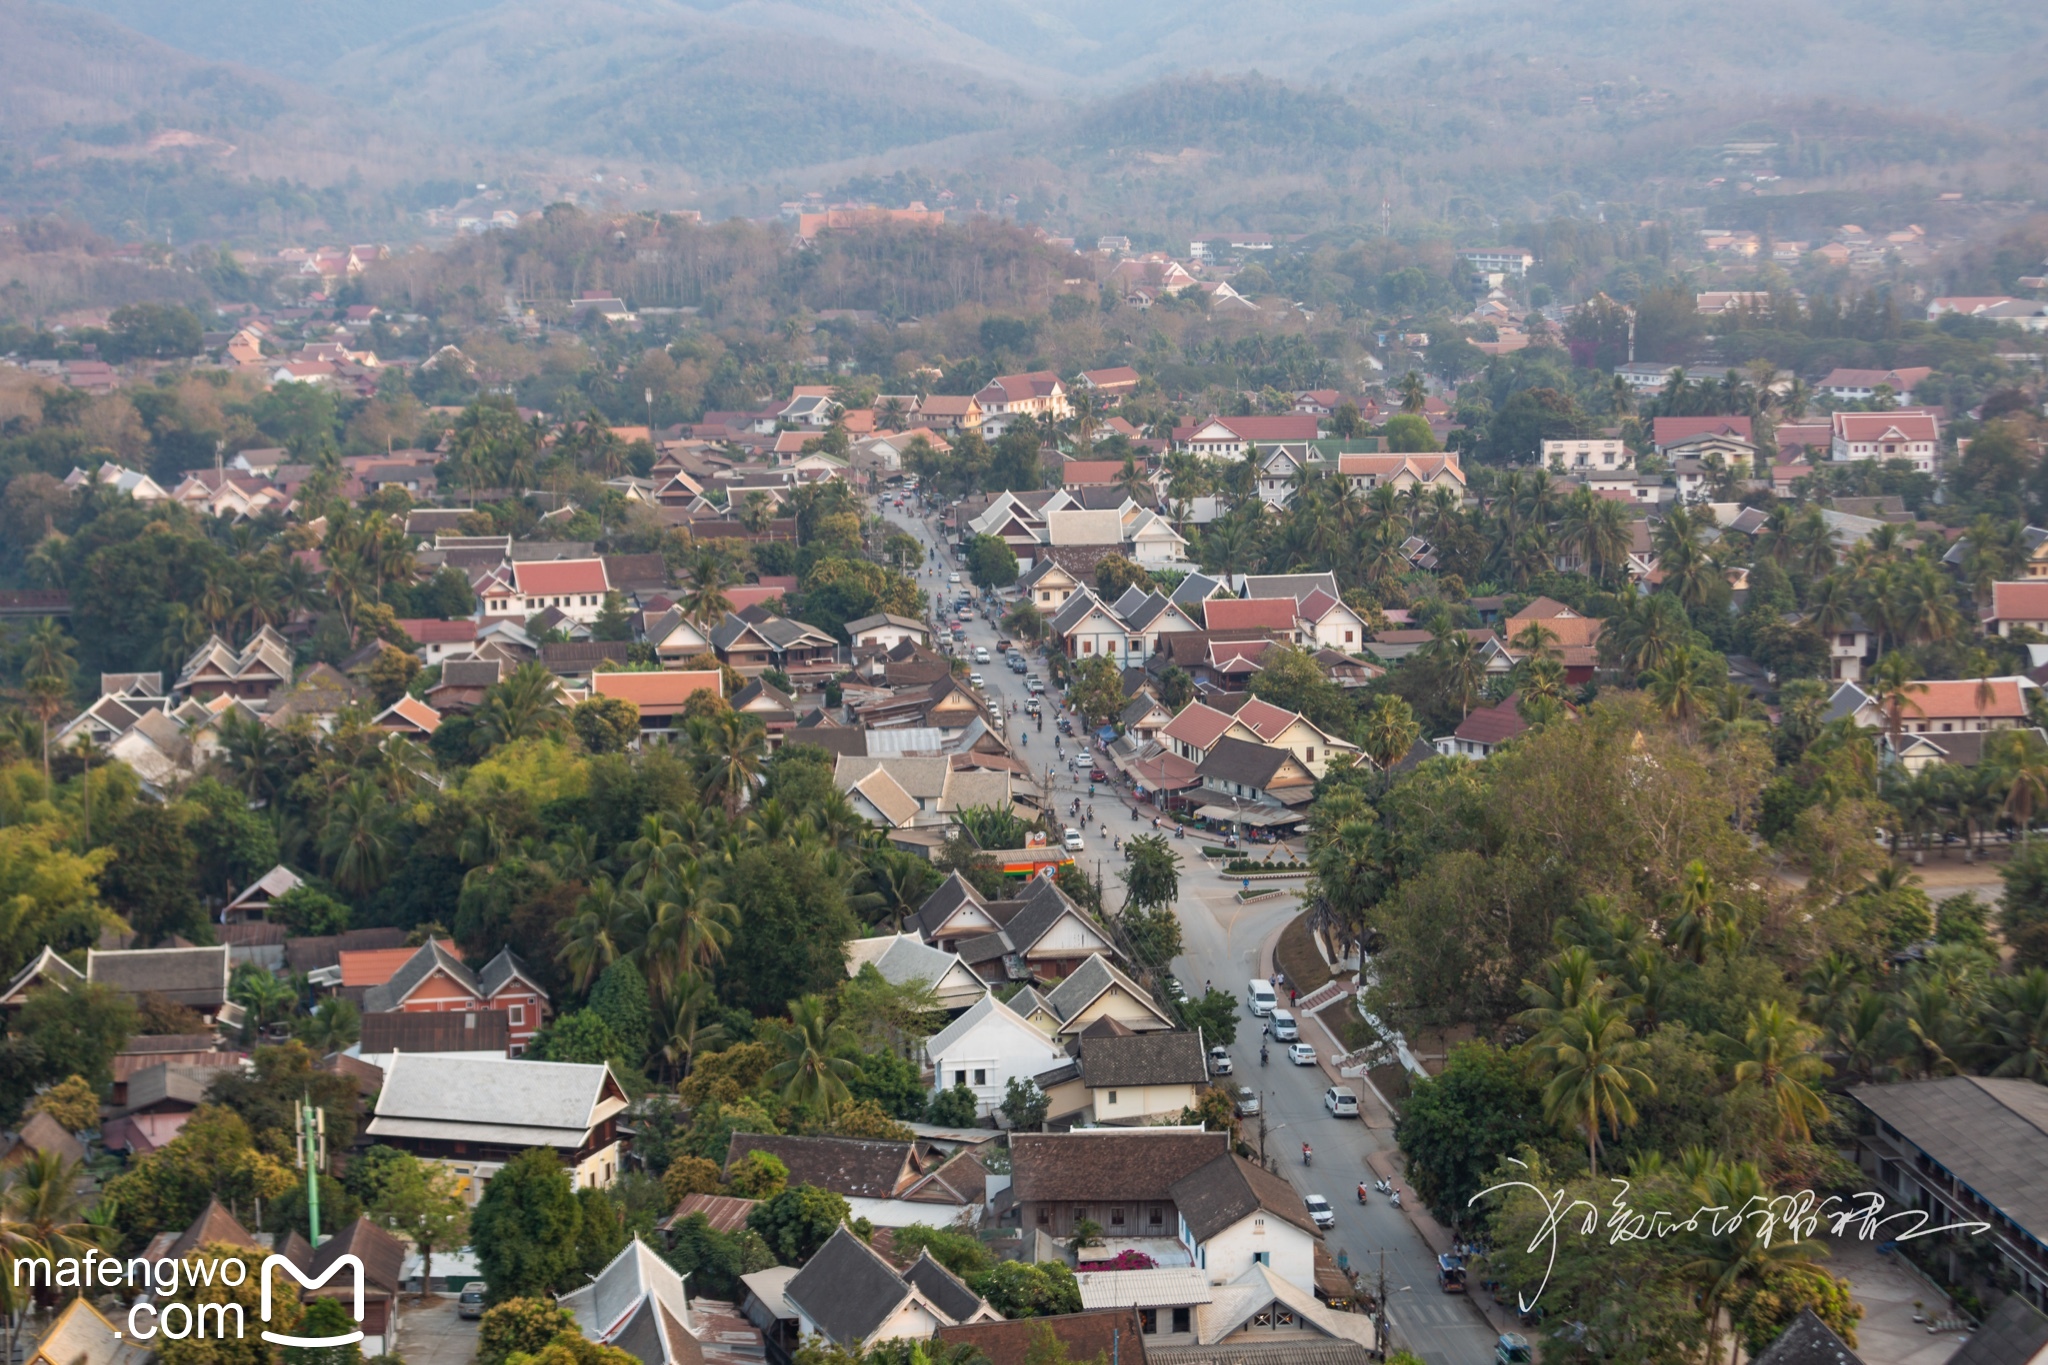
(176, 1321)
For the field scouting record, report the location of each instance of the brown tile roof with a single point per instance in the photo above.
(853, 1167)
(1229, 1189)
(1143, 1059)
(1108, 1332)
(467, 1031)
(1102, 1164)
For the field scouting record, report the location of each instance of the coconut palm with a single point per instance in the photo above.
(811, 1073)
(1590, 1061)
(358, 839)
(704, 601)
(1775, 1055)
(2022, 763)
(43, 1214)
(731, 750)
(1731, 1254)
(1893, 687)
(1414, 392)
(680, 1030)
(1682, 687)
(1696, 907)
(600, 932)
(1390, 730)
(2016, 1026)
(525, 705)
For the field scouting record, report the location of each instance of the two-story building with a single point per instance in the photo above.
(1120, 1179)
(434, 980)
(1911, 436)
(473, 1113)
(1588, 455)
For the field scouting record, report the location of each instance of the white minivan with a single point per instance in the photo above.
(1259, 997)
(1284, 1030)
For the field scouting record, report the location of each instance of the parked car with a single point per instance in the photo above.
(1284, 1028)
(1072, 841)
(1002, 646)
(1219, 1061)
(1247, 1101)
(1319, 1211)
(1301, 1054)
(1017, 665)
(981, 654)
(1512, 1349)
(1450, 1274)
(471, 1302)
(1097, 775)
(1341, 1103)
(974, 680)
(952, 578)
(1175, 989)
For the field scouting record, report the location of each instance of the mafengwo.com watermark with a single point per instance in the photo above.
(174, 1319)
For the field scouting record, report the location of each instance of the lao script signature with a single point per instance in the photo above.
(1796, 1216)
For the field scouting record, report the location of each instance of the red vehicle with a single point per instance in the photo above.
(1098, 776)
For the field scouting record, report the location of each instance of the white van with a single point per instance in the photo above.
(1259, 997)
(1284, 1030)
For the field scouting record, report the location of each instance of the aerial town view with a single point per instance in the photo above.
(839, 682)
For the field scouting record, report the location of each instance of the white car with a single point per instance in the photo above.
(1301, 1054)
(1341, 1103)
(981, 654)
(1072, 841)
(1219, 1061)
(952, 578)
(974, 680)
(1320, 1211)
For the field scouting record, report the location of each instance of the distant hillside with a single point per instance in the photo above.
(298, 40)
(658, 83)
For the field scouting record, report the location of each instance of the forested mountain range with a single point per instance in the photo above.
(1314, 110)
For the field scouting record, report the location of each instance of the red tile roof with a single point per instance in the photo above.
(551, 577)
(1266, 720)
(1493, 724)
(1079, 472)
(658, 693)
(1288, 427)
(1257, 613)
(425, 632)
(1949, 699)
(2019, 601)
(1881, 426)
(1196, 725)
(1671, 430)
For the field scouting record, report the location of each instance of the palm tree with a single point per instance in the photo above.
(358, 841)
(1590, 1062)
(732, 749)
(1414, 393)
(1893, 686)
(810, 1073)
(43, 1214)
(525, 705)
(1681, 687)
(704, 601)
(600, 932)
(2022, 762)
(1730, 1253)
(1697, 906)
(334, 1025)
(1460, 667)
(680, 1032)
(46, 671)
(2016, 1026)
(1390, 731)
(1776, 1056)
(1025, 621)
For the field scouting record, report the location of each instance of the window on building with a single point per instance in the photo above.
(1044, 1215)
(1116, 1217)
(980, 1076)
(1112, 1097)
(1156, 1216)
(1180, 1320)
(1263, 1257)
(518, 1014)
(1148, 1320)
(960, 1078)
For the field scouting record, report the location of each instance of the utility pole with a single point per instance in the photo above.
(311, 1148)
(1379, 1322)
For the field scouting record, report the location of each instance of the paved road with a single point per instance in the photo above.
(1221, 941)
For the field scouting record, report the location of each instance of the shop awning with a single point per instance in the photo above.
(1259, 816)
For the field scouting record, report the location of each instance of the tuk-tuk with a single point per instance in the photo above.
(1450, 1274)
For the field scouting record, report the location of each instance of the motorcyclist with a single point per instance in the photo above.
(1361, 1191)
(1262, 1054)
(1306, 1153)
